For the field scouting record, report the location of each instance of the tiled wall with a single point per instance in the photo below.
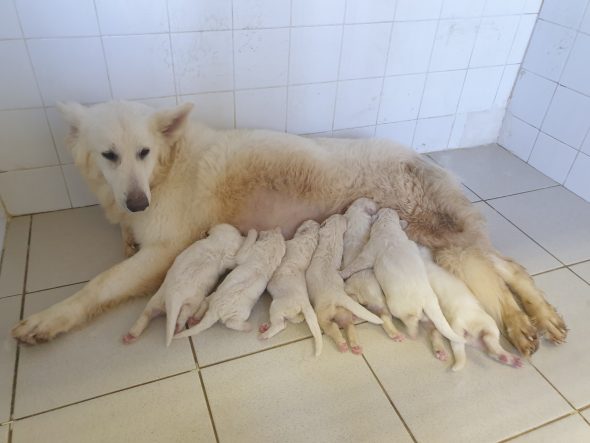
(548, 119)
(429, 73)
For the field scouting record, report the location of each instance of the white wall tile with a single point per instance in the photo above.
(132, 16)
(411, 46)
(531, 98)
(432, 134)
(552, 157)
(311, 108)
(522, 38)
(261, 58)
(262, 108)
(364, 132)
(25, 140)
(159, 102)
(586, 145)
(357, 103)
(215, 109)
(453, 44)
(366, 11)
(400, 132)
(441, 93)
(315, 53)
(418, 9)
(140, 66)
(567, 119)
(576, 74)
(17, 81)
(462, 8)
(400, 99)
(479, 90)
(9, 25)
(503, 7)
(585, 25)
(59, 132)
(34, 190)
(532, 6)
(494, 41)
(313, 12)
(517, 136)
(70, 69)
(203, 61)
(80, 193)
(476, 128)
(57, 18)
(252, 14)
(578, 180)
(567, 13)
(364, 50)
(548, 49)
(199, 15)
(506, 85)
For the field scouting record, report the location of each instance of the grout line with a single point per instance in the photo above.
(557, 185)
(385, 69)
(528, 431)
(553, 386)
(171, 53)
(104, 53)
(390, 400)
(208, 406)
(341, 25)
(288, 65)
(192, 345)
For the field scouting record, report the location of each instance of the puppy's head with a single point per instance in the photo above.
(125, 143)
(366, 205)
(307, 227)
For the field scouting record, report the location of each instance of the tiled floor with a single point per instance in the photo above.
(227, 386)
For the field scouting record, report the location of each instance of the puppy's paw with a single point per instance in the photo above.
(263, 327)
(343, 347)
(128, 338)
(441, 355)
(356, 350)
(510, 360)
(398, 338)
(192, 321)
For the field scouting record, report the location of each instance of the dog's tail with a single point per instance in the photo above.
(314, 327)
(209, 319)
(459, 354)
(346, 302)
(435, 314)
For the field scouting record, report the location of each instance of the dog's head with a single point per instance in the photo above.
(126, 142)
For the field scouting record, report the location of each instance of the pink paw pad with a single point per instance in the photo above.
(343, 347)
(441, 355)
(192, 321)
(517, 362)
(398, 338)
(356, 350)
(263, 327)
(504, 358)
(128, 338)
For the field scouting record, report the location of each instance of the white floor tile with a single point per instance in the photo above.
(165, 411)
(14, 261)
(555, 218)
(566, 366)
(71, 247)
(470, 195)
(572, 429)
(441, 406)
(4, 433)
(93, 360)
(583, 270)
(491, 171)
(287, 395)
(9, 315)
(513, 243)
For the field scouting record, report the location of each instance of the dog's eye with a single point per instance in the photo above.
(110, 155)
(143, 153)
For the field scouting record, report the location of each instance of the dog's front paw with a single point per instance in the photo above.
(550, 323)
(522, 334)
(43, 326)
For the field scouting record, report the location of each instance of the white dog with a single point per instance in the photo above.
(466, 316)
(288, 288)
(400, 271)
(332, 304)
(237, 294)
(363, 286)
(191, 278)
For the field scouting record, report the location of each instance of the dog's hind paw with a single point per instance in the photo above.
(522, 334)
(44, 325)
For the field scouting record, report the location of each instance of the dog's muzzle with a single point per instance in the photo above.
(137, 202)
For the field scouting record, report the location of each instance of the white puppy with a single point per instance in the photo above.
(363, 286)
(466, 316)
(332, 304)
(190, 279)
(400, 271)
(237, 294)
(289, 289)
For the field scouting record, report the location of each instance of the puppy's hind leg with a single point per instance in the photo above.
(412, 323)
(154, 307)
(353, 339)
(459, 354)
(277, 323)
(437, 341)
(333, 331)
(492, 343)
(390, 328)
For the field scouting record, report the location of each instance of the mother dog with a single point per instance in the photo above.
(167, 181)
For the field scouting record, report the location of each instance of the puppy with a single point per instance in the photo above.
(466, 316)
(363, 286)
(400, 271)
(289, 289)
(237, 294)
(191, 278)
(334, 308)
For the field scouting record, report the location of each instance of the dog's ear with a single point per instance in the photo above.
(73, 114)
(171, 122)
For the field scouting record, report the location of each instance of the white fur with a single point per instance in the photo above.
(235, 297)
(288, 288)
(465, 315)
(400, 271)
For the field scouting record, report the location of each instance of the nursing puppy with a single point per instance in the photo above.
(400, 271)
(466, 316)
(334, 308)
(237, 294)
(363, 286)
(288, 287)
(191, 278)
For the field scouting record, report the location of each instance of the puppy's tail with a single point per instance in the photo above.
(314, 327)
(434, 313)
(209, 319)
(173, 306)
(459, 354)
(346, 302)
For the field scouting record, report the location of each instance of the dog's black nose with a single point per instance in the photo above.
(137, 201)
